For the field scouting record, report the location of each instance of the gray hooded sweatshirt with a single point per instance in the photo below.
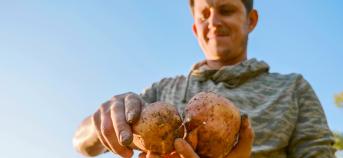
(286, 115)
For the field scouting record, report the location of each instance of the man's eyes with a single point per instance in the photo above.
(226, 11)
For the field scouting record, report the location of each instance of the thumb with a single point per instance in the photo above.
(246, 139)
(192, 138)
(246, 133)
(184, 149)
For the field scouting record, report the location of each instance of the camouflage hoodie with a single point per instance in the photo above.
(285, 113)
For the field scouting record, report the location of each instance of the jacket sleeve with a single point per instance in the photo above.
(150, 94)
(311, 137)
(154, 92)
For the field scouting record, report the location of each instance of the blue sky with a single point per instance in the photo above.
(59, 60)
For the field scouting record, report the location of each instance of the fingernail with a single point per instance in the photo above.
(244, 118)
(125, 138)
(130, 117)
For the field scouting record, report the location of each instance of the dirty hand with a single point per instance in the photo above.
(113, 122)
(241, 150)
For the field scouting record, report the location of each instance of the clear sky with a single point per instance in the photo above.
(59, 60)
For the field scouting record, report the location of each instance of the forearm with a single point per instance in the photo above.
(86, 140)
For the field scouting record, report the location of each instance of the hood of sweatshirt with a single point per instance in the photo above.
(231, 76)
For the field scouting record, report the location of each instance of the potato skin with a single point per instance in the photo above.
(217, 121)
(158, 127)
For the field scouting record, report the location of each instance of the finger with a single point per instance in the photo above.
(184, 149)
(142, 155)
(96, 121)
(110, 137)
(246, 138)
(122, 129)
(192, 138)
(246, 134)
(133, 105)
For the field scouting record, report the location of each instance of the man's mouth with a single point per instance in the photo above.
(218, 33)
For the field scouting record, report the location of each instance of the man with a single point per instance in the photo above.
(286, 116)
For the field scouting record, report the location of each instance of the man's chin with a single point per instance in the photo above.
(217, 57)
(221, 52)
(220, 45)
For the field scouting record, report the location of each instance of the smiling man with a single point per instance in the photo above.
(222, 28)
(285, 114)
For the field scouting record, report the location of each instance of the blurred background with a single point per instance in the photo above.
(59, 60)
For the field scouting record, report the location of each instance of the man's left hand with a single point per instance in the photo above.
(241, 150)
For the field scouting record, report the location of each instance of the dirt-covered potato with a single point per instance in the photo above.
(217, 122)
(159, 125)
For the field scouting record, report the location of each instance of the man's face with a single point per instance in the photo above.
(222, 28)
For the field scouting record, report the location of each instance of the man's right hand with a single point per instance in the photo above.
(113, 121)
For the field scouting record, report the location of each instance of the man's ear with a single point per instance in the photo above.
(253, 20)
(194, 28)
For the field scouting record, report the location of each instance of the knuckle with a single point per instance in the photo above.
(132, 100)
(130, 93)
(104, 105)
(130, 97)
(121, 95)
(131, 105)
(113, 109)
(116, 106)
(116, 97)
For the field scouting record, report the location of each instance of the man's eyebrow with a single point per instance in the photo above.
(223, 5)
(227, 5)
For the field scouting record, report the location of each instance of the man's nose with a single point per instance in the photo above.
(214, 20)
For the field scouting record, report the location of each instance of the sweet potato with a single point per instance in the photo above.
(159, 125)
(217, 122)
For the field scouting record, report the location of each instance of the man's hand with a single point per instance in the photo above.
(241, 150)
(113, 119)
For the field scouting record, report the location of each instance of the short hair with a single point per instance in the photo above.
(248, 4)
